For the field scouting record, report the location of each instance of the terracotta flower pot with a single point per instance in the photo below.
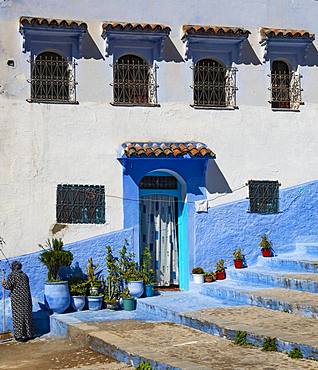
(266, 252)
(238, 264)
(220, 275)
(208, 279)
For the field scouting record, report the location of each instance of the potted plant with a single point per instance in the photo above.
(209, 277)
(198, 275)
(128, 302)
(148, 272)
(135, 282)
(220, 270)
(238, 258)
(56, 291)
(266, 246)
(112, 285)
(95, 299)
(78, 289)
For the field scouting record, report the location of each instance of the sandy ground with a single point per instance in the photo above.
(45, 354)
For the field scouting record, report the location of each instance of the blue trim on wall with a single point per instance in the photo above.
(190, 172)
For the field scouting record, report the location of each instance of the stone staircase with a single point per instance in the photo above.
(275, 298)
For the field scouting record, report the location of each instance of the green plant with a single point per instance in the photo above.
(240, 338)
(265, 243)
(54, 257)
(78, 288)
(219, 267)
(295, 353)
(237, 254)
(126, 294)
(112, 287)
(92, 274)
(144, 366)
(269, 344)
(147, 271)
(197, 270)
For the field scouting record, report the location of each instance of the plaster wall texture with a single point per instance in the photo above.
(226, 227)
(42, 145)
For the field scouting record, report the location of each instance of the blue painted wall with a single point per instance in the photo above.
(82, 250)
(226, 227)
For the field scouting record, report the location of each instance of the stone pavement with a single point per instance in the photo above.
(171, 346)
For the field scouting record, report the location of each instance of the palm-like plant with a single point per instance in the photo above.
(54, 257)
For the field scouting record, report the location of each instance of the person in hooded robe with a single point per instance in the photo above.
(21, 302)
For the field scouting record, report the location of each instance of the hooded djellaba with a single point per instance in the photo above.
(21, 302)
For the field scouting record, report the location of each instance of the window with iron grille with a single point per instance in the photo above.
(52, 79)
(134, 82)
(80, 204)
(285, 87)
(213, 84)
(159, 182)
(264, 196)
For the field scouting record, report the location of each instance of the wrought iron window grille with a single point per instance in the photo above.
(53, 79)
(159, 182)
(134, 83)
(214, 86)
(285, 90)
(263, 196)
(80, 204)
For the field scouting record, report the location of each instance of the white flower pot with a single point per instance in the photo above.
(136, 288)
(198, 278)
(78, 302)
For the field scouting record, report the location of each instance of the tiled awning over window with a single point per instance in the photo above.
(285, 33)
(189, 29)
(52, 22)
(169, 150)
(128, 26)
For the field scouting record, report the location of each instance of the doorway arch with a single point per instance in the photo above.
(163, 225)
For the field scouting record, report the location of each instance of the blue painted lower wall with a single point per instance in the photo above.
(82, 250)
(224, 228)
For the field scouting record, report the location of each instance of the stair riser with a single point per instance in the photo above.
(237, 297)
(273, 281)
(214, 329)
(290, 265)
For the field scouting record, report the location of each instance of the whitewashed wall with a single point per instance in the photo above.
(43, 145)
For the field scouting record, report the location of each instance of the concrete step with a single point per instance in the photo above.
(171, 346)
(290, 263)
(301, 303)
(264, 277)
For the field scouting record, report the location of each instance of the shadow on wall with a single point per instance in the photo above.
(247, 55)
(89, 49)
(215, 180)
(312, 56)
(170, 52)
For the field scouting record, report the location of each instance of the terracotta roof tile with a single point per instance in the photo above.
(129, 26)
(190, 29)
(193, 149)
(38, 21)
(285, 33)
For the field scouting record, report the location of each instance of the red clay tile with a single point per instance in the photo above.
(52, 22)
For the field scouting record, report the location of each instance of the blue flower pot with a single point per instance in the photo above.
(149, 290)
(95, 302)
(57, 296)
(78, 302)
(129, 304)
(136, 288)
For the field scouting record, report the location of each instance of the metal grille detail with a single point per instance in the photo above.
(213, 84)
(159, 182)
(264, 196)
(285, 87)
(134, 81)
(52, 79)
(80, 204)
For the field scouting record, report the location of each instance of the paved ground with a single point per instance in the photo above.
(262, 322)
(180, 346)
(45, 354)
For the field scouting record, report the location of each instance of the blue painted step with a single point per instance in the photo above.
(302, 303)
(291, 263)
(268, 278)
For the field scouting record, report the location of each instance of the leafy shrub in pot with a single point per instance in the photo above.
(148, 272)
(220, 270)
(209, 277)
(198, 275)
(238, 258)
(266, 246)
